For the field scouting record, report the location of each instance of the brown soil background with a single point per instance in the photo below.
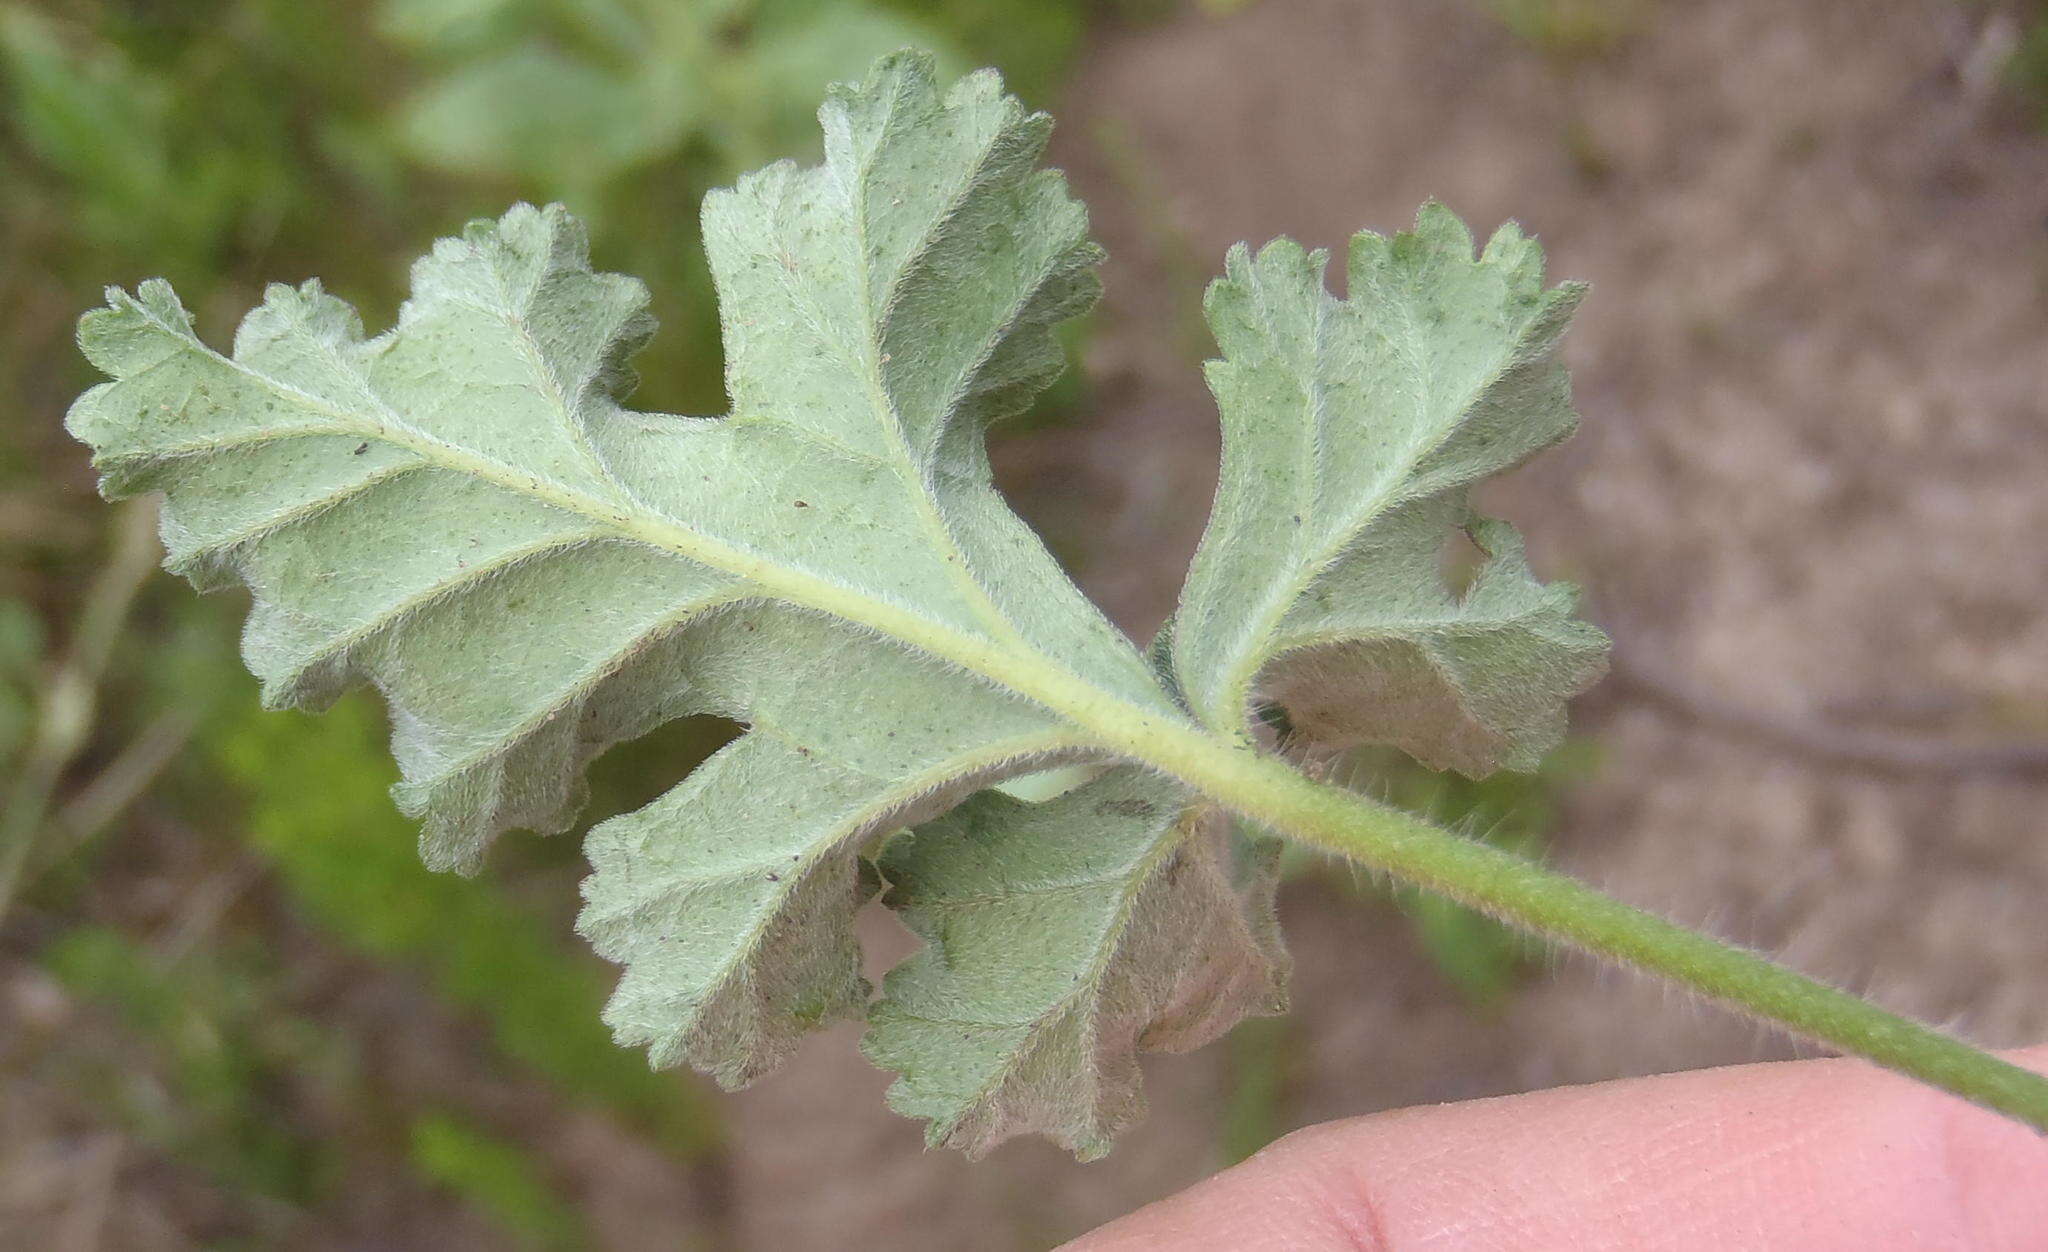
(1807, 500)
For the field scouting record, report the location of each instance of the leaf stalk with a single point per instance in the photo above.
(1568, 912)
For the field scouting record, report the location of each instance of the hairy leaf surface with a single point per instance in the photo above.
(460, 512)
(1352, 431)
(1062, 937)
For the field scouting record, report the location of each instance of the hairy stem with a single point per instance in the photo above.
(1567, 911)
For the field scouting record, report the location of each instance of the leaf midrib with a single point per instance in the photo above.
(1103, 715)
(1231, 703)
(987, 761)
(868, 363)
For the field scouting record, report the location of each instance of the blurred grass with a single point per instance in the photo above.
(219, 1047)
(497, 1179)
(2026, 67)
(318, 810)
(1570, 31)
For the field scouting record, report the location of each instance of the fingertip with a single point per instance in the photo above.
(1815, 1155)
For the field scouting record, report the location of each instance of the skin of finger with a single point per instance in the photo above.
(1812, 1156)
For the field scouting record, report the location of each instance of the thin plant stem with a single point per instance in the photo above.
(65, 719)
(1568, 912)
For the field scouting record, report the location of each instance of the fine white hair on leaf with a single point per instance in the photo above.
(461, 513)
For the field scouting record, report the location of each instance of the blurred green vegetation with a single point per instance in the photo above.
(21, 651)
(319, 812)
(219, 1047)
(2026, 67)
(497, 1179)
(1570, 31)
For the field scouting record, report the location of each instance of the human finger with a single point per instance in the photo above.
(1814, 1156)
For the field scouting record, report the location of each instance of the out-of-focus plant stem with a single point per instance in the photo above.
(70, 699)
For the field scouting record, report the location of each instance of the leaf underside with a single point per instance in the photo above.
(461, 513)
(1059, 944)
(1352, 431)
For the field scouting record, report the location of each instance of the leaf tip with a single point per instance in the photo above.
(1441, 231)
(134, 331)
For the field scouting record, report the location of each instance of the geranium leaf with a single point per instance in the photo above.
(460, 512)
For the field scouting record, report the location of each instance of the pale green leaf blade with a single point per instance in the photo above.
(460, 513)
(396, 507)
(880, 310)
(730, 900)
(1353, 430)
(1062, 938)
